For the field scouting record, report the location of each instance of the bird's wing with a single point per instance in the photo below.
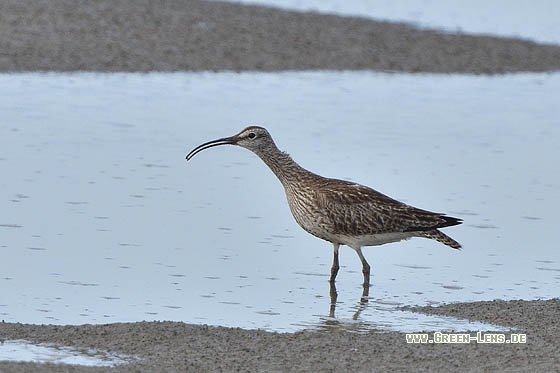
(358, 210)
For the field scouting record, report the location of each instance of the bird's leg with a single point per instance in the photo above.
(365, 267)
(334, 296)
(334, 268)
(365, 294)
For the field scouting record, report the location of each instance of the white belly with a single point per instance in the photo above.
(371, 240)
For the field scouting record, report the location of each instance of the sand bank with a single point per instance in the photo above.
(172, 346)
(187, 35)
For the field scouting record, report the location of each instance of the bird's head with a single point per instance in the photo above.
(254, 138)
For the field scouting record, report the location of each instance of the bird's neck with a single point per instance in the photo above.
(283, 166)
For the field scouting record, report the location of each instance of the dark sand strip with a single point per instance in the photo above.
(187, 35)
(171, 346)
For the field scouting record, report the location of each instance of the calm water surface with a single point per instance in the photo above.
(535, 20)
(20, 350)
(102, 219)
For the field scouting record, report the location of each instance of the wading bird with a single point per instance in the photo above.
(338, 211)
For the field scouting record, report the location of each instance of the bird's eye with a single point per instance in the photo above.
(251, 135)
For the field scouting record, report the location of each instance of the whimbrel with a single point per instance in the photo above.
(338, 211)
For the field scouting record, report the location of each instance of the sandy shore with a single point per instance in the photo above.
(175, 35)
(171, 346)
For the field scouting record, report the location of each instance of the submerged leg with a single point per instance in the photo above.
(365, 266)
(334, 296)
(365, 294)
(334, 268)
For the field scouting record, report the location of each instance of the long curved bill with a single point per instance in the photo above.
(209, 144)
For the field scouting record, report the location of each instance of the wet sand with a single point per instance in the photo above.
(179, 35)
(168, 35)
(172, 346)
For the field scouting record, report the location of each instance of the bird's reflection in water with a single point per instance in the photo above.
(361, 306)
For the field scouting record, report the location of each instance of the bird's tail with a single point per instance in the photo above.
(441, 237)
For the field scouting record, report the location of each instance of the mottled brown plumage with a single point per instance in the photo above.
(338, 211)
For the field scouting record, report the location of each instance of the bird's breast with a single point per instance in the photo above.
(311, 214)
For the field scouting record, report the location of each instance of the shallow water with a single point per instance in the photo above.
(102, 219)
(535, 20)
(19, 350)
